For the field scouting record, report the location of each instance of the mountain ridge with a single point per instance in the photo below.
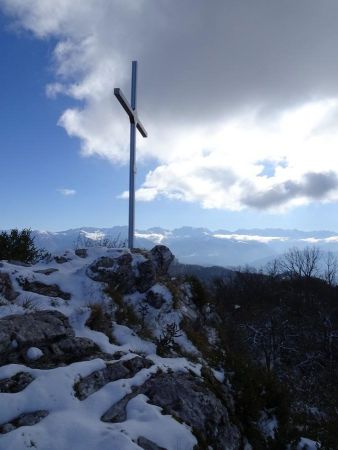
(197, 245)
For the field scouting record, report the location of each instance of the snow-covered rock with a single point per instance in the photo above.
(34, 353)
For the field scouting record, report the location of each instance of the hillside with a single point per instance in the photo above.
(101, 349)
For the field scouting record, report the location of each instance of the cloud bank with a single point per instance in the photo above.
(240, 99)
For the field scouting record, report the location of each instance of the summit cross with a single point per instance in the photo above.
(135, 122)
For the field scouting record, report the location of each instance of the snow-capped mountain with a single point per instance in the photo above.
(197, 245)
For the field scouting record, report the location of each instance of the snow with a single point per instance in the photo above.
(307, 444)
(76, 424)
(34, 353)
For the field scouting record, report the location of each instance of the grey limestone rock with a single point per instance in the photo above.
(162, 258)
(50, 290)
(190, 399)
(6, 288)
(146, 444)
(16, 383)
(48, 271)
(127, 276)
(27, 419)
(33, 329)
(154, 299)
(114, 371)
(51, 332)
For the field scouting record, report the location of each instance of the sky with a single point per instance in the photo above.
(239, 98)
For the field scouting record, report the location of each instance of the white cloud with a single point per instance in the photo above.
(226, 130)
(67, 192)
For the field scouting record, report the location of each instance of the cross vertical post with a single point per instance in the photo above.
(132, 167)
(134, 123)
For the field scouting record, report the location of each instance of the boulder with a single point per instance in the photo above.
(191, 400)
(122, 274)
(33, 329)
(162, 258)
(51, 332)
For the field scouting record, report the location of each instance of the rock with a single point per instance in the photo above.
(191, 400)
(146, 276)
(51, 332)
(48, 271)
(187, 397)
(61, 259)
(27, 419)
(148, 445)
(16, 383)
(117, 272)
(6, 288)
(122, 274)
(117, 412)
(73, 349)
(81, 252)
(34, 328)
(162, 258)
(154, 299)
(49, 290)
(114, 371)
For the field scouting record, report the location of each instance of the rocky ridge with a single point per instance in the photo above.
(92, 343)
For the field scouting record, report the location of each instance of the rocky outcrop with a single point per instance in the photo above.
(128, 273)
(162, 258)
(49, 331)
(192, 400)
(6, 288)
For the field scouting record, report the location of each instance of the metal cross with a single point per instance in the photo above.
(134, 123)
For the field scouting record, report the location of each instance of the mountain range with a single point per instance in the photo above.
(192, 245)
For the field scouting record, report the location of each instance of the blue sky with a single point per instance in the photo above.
(39, 158)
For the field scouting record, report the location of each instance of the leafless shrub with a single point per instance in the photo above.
(166, 342)
(83, 241)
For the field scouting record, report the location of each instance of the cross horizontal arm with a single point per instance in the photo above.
(141, 128)
(125, 104)
(129, 110)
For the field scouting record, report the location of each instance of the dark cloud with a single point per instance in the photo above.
(313, 186)
(204, 59)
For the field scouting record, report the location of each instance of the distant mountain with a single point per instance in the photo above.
(199, 246)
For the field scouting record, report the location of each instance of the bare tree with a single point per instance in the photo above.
(273, 268)
(301, 263)
(331, 267)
